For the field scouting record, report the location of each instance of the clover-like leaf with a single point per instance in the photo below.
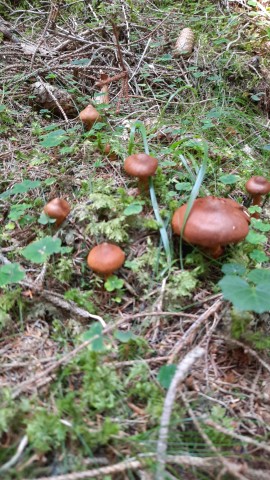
(229, 179)
(53, 139)
(133, 209)
(260, 275)
(124, 337)
(245, 296)
(11, 273)
(255, 238)
(40, 250)
(259, 256)
(97, 345)
(22, 187)
(113, 283)
(233, 268)
(16, 211)
(166, 374)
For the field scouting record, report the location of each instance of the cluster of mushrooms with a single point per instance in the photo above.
(212, 223)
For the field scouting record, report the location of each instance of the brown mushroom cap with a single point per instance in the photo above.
(57, 208)
(140, 165)
(89, 116)
(258, 185)
(105, 258)
(212, 222)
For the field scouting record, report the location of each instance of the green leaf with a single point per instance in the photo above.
(96, 345)
(124, 337)
(11, 273)
(133, 209)
(233, 269)
(259, 256)
(113, 283)
(260, 275)
(254, 209)
(229, 179)
(166, 374)
(16, 211)
(2, 108)
(49, 181)
(23, 187)
(244, 296)
(255, 238)
(40, 250)
(53, 139)
(259, 225)
(45, 219)
(183, 186)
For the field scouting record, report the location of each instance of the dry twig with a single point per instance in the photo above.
(180, 374)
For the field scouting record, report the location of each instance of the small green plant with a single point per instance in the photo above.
(40, 250)
(81, 298)
(11, 273)
(247, 290)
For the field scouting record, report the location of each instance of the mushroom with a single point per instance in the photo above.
(142, 166)
(212, 223)
(89, 116)
(107, 149)
(257, 186)
(105, 258)
(58, 208)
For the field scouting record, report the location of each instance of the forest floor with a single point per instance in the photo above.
(151, 373)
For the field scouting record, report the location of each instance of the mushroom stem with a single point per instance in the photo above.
(216, 251)
(256, 200)
(143, 184)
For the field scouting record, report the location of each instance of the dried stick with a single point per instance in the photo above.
(54, 99)
(245, 347)
(233, 469)
(186, 338)
(51, 18)
(207, 464)
(101, 83)
(180, 374)
(242, 438)
(23, 443)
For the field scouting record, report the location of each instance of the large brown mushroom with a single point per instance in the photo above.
(89, 116)
(142, 166)
(257, 186)
(212, 223)
(105, 258)
(58, 208)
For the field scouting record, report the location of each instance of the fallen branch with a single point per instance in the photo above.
(242, 438)
(207, 464)
(180, 374)
(188, 335)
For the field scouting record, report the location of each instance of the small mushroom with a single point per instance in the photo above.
(257, 186)
(58, 208)
(108, 152)
(89, 116)
(212, 223)
(142, 166)
(105, 258)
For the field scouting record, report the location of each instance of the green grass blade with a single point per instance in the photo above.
(162, 229)
(193, 195)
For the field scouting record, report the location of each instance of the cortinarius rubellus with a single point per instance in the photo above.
(212, 223)
(58, 208)
(105, 258)
(256, 187)
(142, 166)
